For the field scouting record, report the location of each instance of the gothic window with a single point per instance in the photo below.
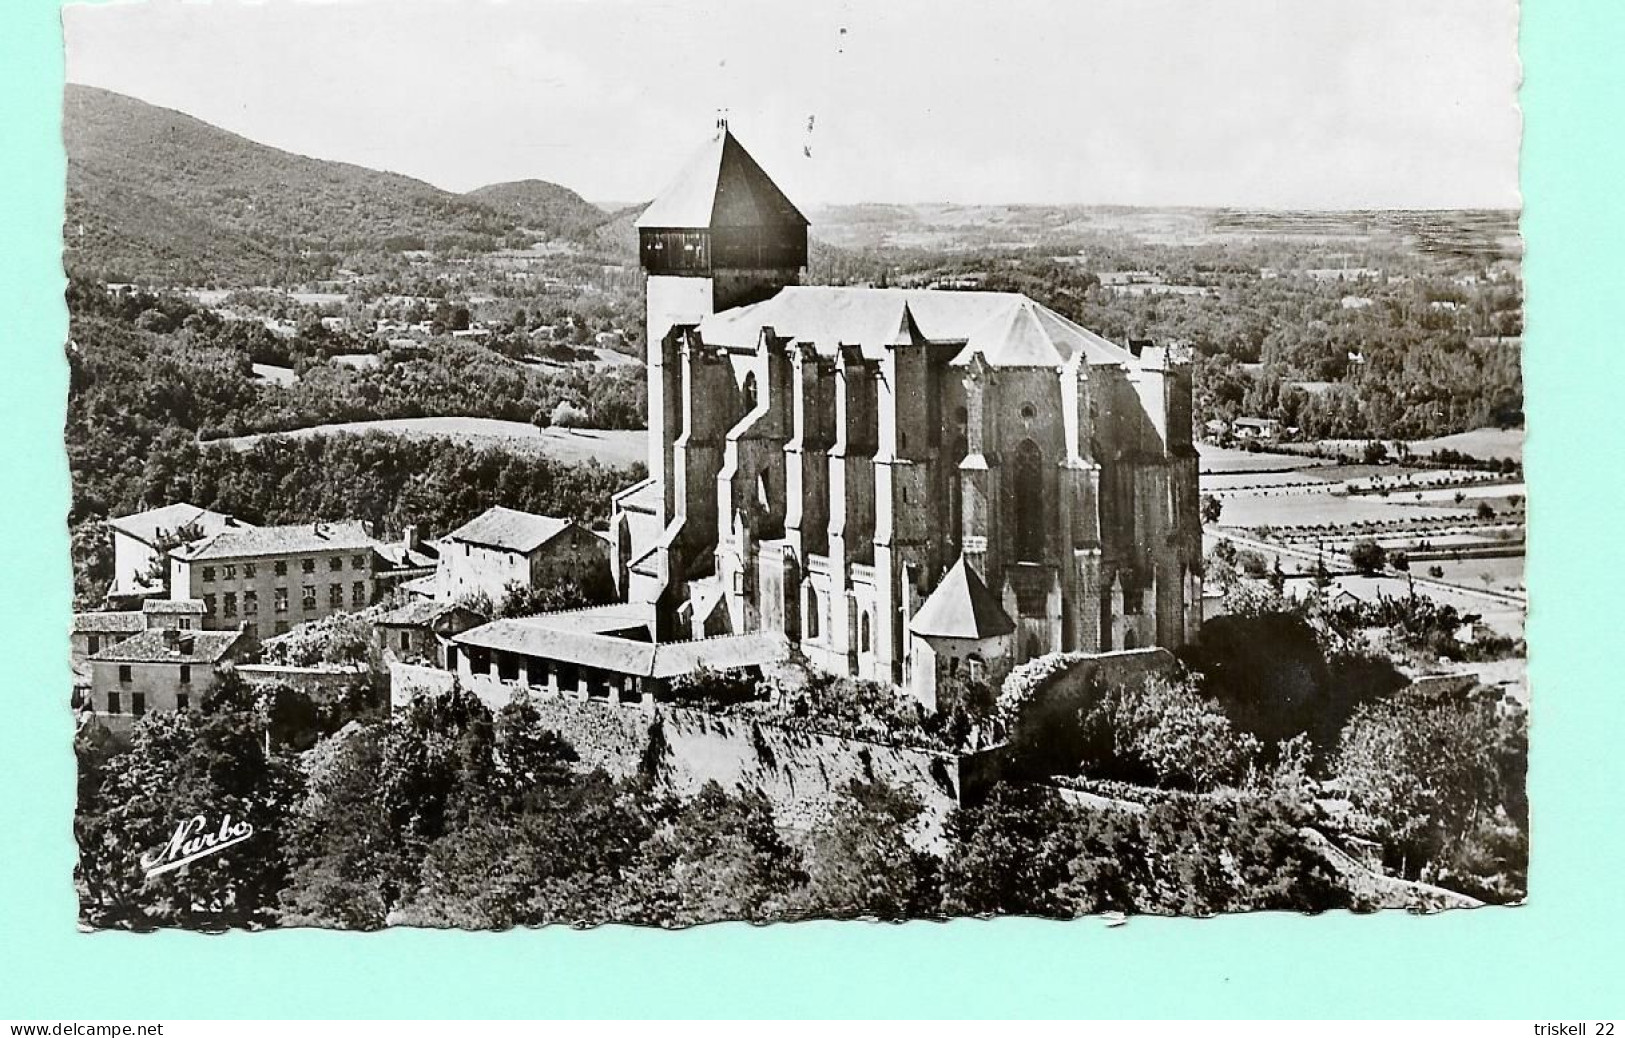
(813, 610)
(1129, 641)
(750, 391)
(863, 633)
(1033, 647)
(1027, 474)
(1028, 410)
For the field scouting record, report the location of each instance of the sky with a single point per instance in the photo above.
(1253, 103)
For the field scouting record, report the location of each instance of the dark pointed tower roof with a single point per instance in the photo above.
(722, 186)
(961, 606)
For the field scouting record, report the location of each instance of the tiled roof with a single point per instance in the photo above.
(509, 529)
(399, 556)
(961, 606)
(424, 586)
(1006, 328)
(166, 606)
(418, 613)
(254, 541)
(537, 636)
(153, 525)
(164, 647)
(108, 623)
(721, 186)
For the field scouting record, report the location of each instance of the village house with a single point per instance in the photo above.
(895, 484)
(157, 671)
(270, 578)
(503, 547)
(93, 632)
(421, 631)
(1256, 428)
(141, 539)
(411, 558)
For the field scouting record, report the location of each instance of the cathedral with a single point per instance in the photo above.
(917, 487)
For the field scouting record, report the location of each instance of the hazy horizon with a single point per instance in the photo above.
(1259, 105)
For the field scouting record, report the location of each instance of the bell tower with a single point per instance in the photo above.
(721, 235)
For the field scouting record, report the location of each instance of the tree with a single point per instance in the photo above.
(1009, 855)
(568, 416)
(1163, 732)
(1367, 556)
(1212, 507)
(565, 857)
(1429, 773)
(183, 766)
(719, 857)
(860, 862)
(441, 776)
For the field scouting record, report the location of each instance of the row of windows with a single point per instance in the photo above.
(227, 602)
(138, 703)
(124, 674)
(815, 620)
(335, 563)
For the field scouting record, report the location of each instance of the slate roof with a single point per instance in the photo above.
(721, 186)
(303, 538)
(639, 497)
(108, 623)
(155, 647)
(1007, 328)
(961, 606)
(151, 526)
(509, 529)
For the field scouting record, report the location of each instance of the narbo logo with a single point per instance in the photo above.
(190, 843)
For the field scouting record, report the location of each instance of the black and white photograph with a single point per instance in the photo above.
(660, 464)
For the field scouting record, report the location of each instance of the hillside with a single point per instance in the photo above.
(549, 210)
(153, 193)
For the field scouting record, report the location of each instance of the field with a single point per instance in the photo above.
(273, 373)
(1477, 443)
(616, 448)
(1312, 507)
(1484, 444)
(1226, 459)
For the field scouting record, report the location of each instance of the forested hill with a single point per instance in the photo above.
(553, 211)
(156, 194)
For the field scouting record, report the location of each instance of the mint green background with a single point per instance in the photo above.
(1560, 956)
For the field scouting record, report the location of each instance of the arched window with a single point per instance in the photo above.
(1129, 640)
(750, 391)
(863, 633)
(814, 609)
(1033, 647)
(1027, 476)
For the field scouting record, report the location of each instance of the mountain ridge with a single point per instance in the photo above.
(156, 194)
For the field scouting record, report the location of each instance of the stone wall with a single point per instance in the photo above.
(800, 772)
